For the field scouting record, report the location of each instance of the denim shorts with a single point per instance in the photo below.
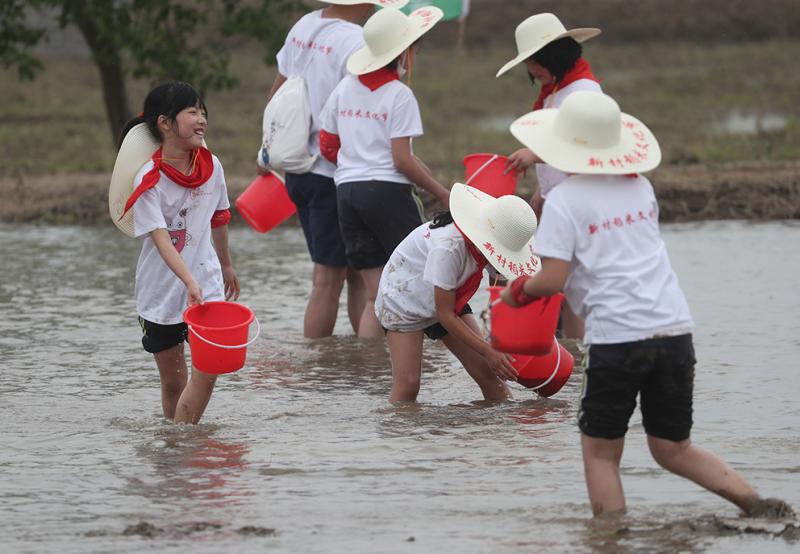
(157, 337)
(659, 370)
(375, 216)
(315, 198)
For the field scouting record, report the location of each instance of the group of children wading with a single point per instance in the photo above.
(598, 235)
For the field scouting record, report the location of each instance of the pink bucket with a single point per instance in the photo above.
(485, 173)
(545, 374)
(265, 204)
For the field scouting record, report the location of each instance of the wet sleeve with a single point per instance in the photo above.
(443, 268)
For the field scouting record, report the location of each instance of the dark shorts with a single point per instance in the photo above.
(437, 330)
(660, 370)
(157, 337)
(375, 216)
(315, 197)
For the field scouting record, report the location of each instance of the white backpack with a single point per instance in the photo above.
(286, 126)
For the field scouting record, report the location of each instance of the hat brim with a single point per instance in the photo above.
(422, 20)
(581, 34)
(382, 3)
(137, 148)
(637, 151)
(466, 205)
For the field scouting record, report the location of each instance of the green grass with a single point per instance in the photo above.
(56, 124)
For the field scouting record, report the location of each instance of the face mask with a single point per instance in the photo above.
(401, 64)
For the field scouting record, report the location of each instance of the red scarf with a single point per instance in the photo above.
(580, 70)
(470, 286)
(376, 79)
(203, 169)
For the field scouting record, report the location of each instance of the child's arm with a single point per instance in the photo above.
(417, 173)
(164, 245)
(220, 238)
(498, 362)
(548, 281)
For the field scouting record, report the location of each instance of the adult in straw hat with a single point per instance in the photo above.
(317, 47)
(552, 55)
(431, 276)
(368, 124)
(599, 241)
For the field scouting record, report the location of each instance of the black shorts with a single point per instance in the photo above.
(661, 370)
(157, 337)
(437, 330)
(315, 198)
(375, 216)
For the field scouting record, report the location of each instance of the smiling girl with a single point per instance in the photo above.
(181, 205)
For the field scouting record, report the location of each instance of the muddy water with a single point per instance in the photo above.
(300, 452)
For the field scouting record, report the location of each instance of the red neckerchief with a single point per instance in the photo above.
(203, 169)
(580, 70)
(376, 79)
(470, 286)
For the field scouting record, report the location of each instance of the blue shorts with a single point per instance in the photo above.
(375, 216)
(315, 197)
(659, 370)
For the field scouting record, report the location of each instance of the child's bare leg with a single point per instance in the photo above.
(356, 297)
(707, 470)
(174, 375)
(323, 305)
(405, 350)
(368, 325)
(601, 459)
(492, 387)
(195, 397)
(571, 324)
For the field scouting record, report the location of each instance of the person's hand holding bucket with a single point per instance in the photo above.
(520, 161)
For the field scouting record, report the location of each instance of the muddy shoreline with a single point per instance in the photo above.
(746, 190)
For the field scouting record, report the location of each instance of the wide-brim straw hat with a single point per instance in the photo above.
(137, 148)
(501, 228)
(388, 33)
(382, 3)
(589, 134)
(538, 31)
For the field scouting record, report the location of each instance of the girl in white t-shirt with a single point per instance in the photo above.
(430, 277)
(368, 123)
(599, 241)
(180, 205)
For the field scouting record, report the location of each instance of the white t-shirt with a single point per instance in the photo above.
(426, 258)
(548, 176)
(318, 47)
(621, 281)
(186, 213)
(366, 122)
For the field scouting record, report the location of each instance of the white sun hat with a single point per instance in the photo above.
(388, 33)
(382, 3)
(589, 134)
(501, 228)
(538, 31)
(137, 148)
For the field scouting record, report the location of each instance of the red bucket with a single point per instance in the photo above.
(218, 335)
(485, 173)
(525, 330)
(545, 374)
(264, 204)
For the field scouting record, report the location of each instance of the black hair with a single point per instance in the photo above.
(168, 99)
(441, 219)
(558, 57)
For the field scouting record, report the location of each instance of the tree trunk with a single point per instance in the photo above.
(107, 58)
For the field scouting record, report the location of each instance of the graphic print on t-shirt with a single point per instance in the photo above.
(177, 231)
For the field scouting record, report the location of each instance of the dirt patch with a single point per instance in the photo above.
(753, 190)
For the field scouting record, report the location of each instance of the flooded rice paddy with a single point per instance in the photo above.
(301, 452)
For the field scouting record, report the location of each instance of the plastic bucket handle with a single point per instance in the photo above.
(555, 369)
(481, 168)
(226, 346)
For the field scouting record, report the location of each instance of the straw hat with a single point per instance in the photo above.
(538, 31)
(136, 150)
(388, 33)
(501, 228)
(589, 134)
(382, 3)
